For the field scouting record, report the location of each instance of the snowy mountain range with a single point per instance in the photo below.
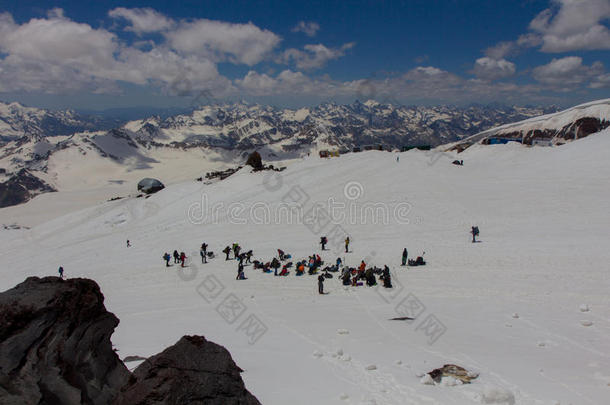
(17, 120)
(67, 151)
(244, 127)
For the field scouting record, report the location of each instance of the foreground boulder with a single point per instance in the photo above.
(193, 371)
(55, 344)
(55, 349)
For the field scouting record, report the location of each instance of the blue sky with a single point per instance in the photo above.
(96, 55)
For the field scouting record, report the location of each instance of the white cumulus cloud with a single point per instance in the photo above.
(142, 20)
(308, 28)
(313, 56)
(574, 25)
(487, 68)
(222, 41)
(568, 72)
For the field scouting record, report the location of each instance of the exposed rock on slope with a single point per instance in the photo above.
(21, 187)
(55, 349)
(55, 344)
(557, 128)
(193, 371)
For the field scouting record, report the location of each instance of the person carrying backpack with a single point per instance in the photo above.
(386, 277)
(347, 245)
(323, 242)
(275, 264)
(369, 276)
(176, 257)
(166, 257)
(346, 276)
(182, 259)
(475, 233)
(226, 251)
(404, 257)
(240, 272)
(61, 272)
(362, 267)
(321, 283)
(204, 253)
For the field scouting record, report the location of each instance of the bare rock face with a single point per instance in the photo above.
(21, 187)
(55, 344)
(55, 349)
(193, 371)
(255, 161)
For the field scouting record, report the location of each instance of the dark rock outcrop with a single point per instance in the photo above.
(21, 187)
(255, 161)
(55, 349)
(150, 186)
(55, 344)
(193, 371)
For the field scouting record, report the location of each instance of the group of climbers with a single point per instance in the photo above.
(179, 258)
(313, 265)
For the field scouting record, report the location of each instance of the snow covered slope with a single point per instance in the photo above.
(527, 308)
(574, 123)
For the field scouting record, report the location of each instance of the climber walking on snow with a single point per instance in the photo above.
(204, 253)
(475, 233)
(405, 255)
